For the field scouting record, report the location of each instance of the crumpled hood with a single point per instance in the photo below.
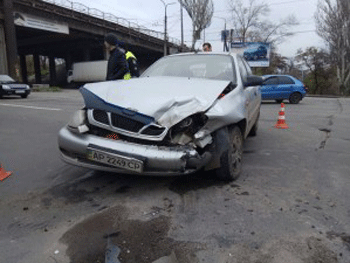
(167, 99)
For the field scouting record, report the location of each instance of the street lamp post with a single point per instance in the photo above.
(165, 25)
(225, 48)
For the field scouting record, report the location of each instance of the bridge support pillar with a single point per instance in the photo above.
(24, 72)
(37, 69)
(68, 60)
(3, 58)
(52, 65)
(86, 54)
(10, 36)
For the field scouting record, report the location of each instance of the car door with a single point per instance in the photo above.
(269, 88)
(284, 87)
(252, 94)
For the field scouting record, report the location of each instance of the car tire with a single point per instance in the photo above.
(295, 98)
(279, 100)
(231, 160)
(24, 96)
(253, 132)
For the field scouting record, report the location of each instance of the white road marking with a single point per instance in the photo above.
(29, 107)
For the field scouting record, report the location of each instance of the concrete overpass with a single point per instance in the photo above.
(67, 30)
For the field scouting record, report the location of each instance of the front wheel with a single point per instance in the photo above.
(231, 160)
(294, 98)
(254, 130)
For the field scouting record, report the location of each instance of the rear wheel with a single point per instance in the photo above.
(279, 100)
(294, 98)
(231, 160)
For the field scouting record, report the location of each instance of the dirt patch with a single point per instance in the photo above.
(184, 184)
(308, 250)
(139, 241)
(343, 236)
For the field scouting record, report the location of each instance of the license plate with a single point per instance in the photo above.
(20, 91)
(115, 160)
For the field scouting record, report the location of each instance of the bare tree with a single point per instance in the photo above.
(333, 25)
(201, 13)
(317, 61)
(251, 24)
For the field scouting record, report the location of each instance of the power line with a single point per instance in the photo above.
(277, 3)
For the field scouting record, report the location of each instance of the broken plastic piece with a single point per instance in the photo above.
(112, 253)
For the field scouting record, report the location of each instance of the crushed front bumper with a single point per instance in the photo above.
(157, 160)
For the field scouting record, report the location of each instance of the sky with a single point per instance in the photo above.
(150, 14)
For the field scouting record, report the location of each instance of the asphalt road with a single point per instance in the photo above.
(291, 203)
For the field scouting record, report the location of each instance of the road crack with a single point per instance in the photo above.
(327, 131)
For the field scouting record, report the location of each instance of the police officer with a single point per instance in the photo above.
(132, 63)
(117, 65)
(131, 59)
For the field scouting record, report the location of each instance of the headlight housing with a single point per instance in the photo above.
(6, 87)
(77, 123)
(183, 132)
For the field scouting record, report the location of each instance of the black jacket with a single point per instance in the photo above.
(117, 65)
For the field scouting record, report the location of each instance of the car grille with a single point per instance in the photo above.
(101, 116)
(126, 123)
(120, 124)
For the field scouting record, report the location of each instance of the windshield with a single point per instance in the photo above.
(6, 79)
(219, 67)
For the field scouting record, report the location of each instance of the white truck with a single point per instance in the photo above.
(88, 71)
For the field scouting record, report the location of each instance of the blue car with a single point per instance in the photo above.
(256, 53)
(282, 87)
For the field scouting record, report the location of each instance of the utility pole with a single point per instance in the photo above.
(182, 25)
(225, 47)
(165, 26)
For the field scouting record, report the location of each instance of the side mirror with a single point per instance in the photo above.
(253, 80)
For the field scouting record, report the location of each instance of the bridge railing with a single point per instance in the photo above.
(78, 7)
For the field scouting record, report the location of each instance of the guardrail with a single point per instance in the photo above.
(78, 7)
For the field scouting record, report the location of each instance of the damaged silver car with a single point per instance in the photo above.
(186, 112)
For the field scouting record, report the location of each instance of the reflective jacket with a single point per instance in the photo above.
(132, 63)
(117, 66)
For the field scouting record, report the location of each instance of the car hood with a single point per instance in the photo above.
(166, 99)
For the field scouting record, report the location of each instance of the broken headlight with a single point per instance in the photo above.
(183, 132)
(77, 123)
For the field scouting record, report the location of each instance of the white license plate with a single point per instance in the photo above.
(115, 160)
(20, 91)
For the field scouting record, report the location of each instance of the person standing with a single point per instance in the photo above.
(117, 67)
(131, 59)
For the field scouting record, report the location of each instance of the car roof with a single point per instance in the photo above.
(233, 54)
(277, 75)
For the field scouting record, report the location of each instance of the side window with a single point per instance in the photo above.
(271, 81)
(285, 80)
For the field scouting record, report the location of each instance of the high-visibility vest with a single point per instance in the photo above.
(129, 55)
(127, 76)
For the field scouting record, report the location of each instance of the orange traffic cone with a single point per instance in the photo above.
(281, 122)
(3, 173)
